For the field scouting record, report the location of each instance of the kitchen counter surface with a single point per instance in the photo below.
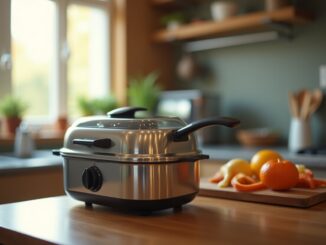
(39, 159)
(62, 220)
(227, 152)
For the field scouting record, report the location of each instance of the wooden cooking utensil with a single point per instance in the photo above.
(293, 102)
(316, 99)
(305, 108)
(300, 97)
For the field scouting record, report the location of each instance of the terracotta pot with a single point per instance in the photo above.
(62, 124)
(12, 123)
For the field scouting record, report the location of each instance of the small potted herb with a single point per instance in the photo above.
(12, 109)
(173, 20)
(144, 92)
(97, 106)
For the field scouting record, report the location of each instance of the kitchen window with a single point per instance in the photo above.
(52, 52)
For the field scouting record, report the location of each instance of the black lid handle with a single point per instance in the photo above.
(125, 112)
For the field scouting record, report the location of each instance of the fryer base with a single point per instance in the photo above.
(134, 205)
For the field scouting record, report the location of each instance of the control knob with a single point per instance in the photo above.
(92, 178)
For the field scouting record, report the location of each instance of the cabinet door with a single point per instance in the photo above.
(31, 184)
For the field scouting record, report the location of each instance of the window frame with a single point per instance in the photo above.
(58, 88)
(5, 47)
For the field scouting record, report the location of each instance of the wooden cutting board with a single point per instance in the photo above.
(296, 197)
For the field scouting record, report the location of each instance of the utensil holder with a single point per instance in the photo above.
(299, 135)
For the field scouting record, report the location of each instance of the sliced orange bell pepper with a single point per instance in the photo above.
(307, 180)
(217, 178)
(320, 183)
(245, 183)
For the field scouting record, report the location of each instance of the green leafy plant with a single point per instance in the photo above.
(12, 107)
(173, 17)
(143, 91)
(105, 104)
(97, 106)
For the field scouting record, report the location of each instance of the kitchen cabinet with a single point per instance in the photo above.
(251, 22)
(29, 178)
(26, 184)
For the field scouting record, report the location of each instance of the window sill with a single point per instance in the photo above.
(43, 140)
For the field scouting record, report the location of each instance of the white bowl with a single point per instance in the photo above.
(222, 10)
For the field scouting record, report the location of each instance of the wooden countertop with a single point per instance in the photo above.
(62, 220)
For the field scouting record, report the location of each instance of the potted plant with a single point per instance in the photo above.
(105, 104)
(12, 108)
(173, 20)
(143, 91)
(97, 106)
(86, 106)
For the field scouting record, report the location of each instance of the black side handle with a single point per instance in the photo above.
(56, 152)
(101, 143)
(182, 133)
(125, 112)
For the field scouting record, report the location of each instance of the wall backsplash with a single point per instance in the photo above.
(253, 81)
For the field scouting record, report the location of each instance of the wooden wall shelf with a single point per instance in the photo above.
(235, 25)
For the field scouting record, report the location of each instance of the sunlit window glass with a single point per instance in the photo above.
(33, 49)
(87, 34)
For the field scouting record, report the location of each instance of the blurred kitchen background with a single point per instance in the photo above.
(65, 59)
